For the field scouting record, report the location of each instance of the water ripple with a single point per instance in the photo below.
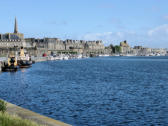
(93, 92)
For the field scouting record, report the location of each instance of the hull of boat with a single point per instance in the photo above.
(9, 69)
(25, 64)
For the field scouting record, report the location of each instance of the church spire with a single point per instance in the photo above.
(16, 26)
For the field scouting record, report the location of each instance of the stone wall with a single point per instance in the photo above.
(55, 44)
(12, 36)
(125, 48)
(12, 43)
(30, 115)
(3, 52)
(39, 46)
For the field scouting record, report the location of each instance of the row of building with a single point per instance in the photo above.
(56, 45)
(47, 45)
(141, 51)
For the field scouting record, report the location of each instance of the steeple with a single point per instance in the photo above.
(16, 26)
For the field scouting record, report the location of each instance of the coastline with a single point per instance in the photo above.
(51, 58)
(32, 116)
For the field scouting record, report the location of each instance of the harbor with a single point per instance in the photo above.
(92, 91)
(58, 49)
(84, 63)
(55, 57)
(18, 52)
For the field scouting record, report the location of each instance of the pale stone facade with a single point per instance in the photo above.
(10, 40)
(57, 44)
(125, 48)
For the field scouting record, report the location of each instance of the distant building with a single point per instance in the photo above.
(47, 45)
(124, 44)
(125, 48)
(55, 44)
(16, 36)
(9, 40)
(159, 51)
(138, 47)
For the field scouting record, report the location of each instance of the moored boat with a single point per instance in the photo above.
(24, 60)
(11, 65)
(25, 63)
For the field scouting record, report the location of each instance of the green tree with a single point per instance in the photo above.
(112, 48)
(117, 49)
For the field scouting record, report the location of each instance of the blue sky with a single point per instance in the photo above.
(140, 22)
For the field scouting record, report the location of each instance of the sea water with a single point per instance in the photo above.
(110, 91)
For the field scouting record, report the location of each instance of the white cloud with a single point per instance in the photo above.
(156, 37)
(159, 31)
(108, 37)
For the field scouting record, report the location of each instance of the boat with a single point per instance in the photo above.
(105, 55)
(24, 60)
(10, 65)
(79, 56)
(25, 64)
(65, 57)
(51, 58)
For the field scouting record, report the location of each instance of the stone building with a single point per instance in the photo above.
(57, 45)
(10, 40)
(159, 51)
(74, 44)
(95, 45)
(47, 45)
(125, 48)
(137, 47)
(144, 51)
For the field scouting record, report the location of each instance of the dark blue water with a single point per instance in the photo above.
(113, 91)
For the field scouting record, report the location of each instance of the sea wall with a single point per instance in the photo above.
(39, 59)
(27, 114)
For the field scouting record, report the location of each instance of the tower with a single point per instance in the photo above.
(16, 26)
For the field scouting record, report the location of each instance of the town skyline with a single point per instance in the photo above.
(110, 21)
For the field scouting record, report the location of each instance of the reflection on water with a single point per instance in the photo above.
(94, 92)
(23, 70)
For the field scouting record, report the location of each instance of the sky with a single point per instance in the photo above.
(140, 22)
